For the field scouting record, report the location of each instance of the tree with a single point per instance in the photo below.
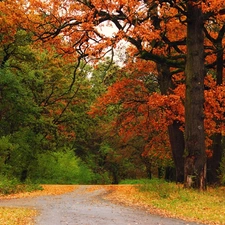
(195, 162)
(73, 26)
(136, 122)
(38, 101)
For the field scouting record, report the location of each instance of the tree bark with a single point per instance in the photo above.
(176, 136)
(195, 161)
(148, 166)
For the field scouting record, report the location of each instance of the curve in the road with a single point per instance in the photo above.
(82, 207)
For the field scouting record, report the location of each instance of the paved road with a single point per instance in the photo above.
(82, 207)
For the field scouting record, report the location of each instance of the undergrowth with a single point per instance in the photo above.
(136, 181)
(12, 186)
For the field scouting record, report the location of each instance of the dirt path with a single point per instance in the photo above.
(82, 207)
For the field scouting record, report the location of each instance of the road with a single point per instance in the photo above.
(82, 207)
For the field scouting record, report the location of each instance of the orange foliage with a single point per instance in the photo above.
(47, 190)
(214, 107)
(71, 28)
(149, 114)
(13, 15)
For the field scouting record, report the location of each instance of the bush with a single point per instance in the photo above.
(8, 186)
(159, 186)
(85, 175)
(61, 167)
(134, 181)
(12, 186)
(101, 178)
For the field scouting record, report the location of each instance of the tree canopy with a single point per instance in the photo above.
(164, 106)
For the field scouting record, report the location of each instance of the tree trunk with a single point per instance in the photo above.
(148, 166)
(195, 162)
(213, 163)
(177, 144)
(176, 136)
(170, 174)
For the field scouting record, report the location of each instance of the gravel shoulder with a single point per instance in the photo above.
(84, 207)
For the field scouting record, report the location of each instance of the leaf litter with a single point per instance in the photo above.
(25, 216)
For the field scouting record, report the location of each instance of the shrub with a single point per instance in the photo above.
(8, 186)
(134, 181)
(61, 167)
(12, 186)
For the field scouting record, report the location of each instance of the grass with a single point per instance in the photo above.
(173, 200)
(206, 207)
(133, 181)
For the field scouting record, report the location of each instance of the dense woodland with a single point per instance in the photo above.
(82, 104)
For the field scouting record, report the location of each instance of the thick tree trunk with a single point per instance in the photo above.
(176, 136)
(195, 162)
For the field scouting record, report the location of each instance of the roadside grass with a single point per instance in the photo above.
(206, 207)
(171, 200)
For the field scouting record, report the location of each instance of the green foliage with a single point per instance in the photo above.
(61, 167)
(25, 146)
(102, 178)
(8, 186)
(85, 175)
(135, 181)
(5, 150)
(161, 187)
(12, 186)
(17, 107)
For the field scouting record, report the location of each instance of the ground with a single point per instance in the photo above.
(87, 205)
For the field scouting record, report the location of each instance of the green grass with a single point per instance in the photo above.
(137, 181)
(174, 200)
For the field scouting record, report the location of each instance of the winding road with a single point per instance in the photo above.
(82, 207)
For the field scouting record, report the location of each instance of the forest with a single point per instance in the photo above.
(99, 91)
